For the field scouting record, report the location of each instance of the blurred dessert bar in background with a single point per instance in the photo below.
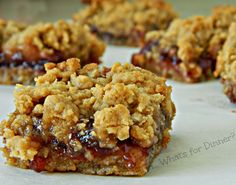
(124, 22)
(181, 52)
(24, 54)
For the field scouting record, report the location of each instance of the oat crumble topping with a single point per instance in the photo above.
(126, 19)
(51, 41)
(222, 16)
(226, 63)
(181, 52)
(191, 36)
(8, 28)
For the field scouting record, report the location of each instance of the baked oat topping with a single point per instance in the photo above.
(88, 114)
(222, 16)
(54, 42)
(181, 52)
(99, 1)
(226, 64)
(25, 53)
(8, 28)
(191, 36)
(127, 21)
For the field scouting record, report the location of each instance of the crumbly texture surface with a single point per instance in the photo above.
(47, 42)
(126, 22)
(53, 41)
(15, 75)
(97, 1)
(222, 17)
(8, 28)
(182, 52)
(107, 122)
(226, 64)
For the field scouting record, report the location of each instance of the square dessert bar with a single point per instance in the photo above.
(182, 52)
(95, 121)
(226, 64)
(124, 22)
(25, 53)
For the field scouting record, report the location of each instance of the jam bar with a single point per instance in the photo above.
(25, 53)
(226, 64)
(110, 121)
(182, 52)
(126, 22)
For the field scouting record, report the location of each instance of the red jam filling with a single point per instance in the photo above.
(126, 150)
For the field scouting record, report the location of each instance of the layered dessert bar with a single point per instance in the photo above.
(110, 121)
(25, 53)
(182, 52)
(226, 64)
(123, 22)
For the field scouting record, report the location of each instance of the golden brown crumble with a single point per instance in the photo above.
(97, 121)
(18, 75)
(115, 121)
(226, 61)
(99, 1)
(191, 36)
(188, 49)
(226, 64)
(222, 16)
(123, 103)
(126, 19)
(51, 41)
(8, 28)
(21, 147)
(181, 52)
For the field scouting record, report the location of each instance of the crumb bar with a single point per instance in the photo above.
(182, 52)
(110, 121)
(26, 52)
(226, 64)
(126, 22)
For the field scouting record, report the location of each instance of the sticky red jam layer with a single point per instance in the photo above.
(125, 150)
